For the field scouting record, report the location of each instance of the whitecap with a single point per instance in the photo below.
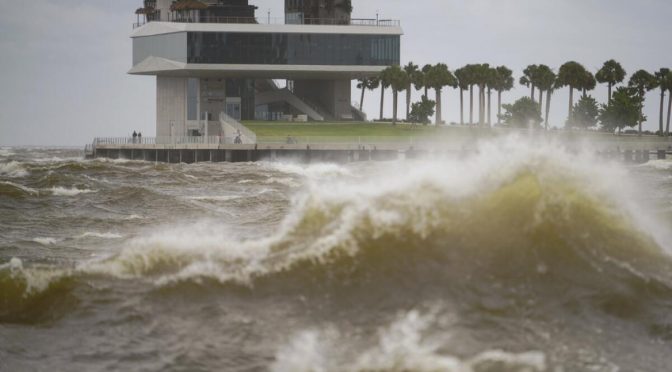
(286, 181)
(62, 191)
(407, 344)
(26, 189)
(107, 235)
(213, 197)
(6, 152)
(46, 241)
(13, 169)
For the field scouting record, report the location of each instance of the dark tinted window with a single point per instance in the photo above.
(293, 49)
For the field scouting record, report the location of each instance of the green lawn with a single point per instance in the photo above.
(323, 129)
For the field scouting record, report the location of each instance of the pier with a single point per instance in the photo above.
(340, 150)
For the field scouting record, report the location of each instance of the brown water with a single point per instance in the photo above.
(524, 257)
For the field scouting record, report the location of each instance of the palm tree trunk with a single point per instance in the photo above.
(382, 100)
(489, 107)
(584, 93)
(394, 106)
(426, 93)
(541, 100)
(480, 105)
(662, 107)
(571, 104)
(361, 101)
(499, 107)
(669, 111)
(408, 102)
(532, 92)
(548, 105)
(461, 106)
(471, 104)
(609, 92)
(438, 106)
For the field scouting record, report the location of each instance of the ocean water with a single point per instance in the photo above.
(522, 257)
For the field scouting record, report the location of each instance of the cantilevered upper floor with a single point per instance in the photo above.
(201, 46)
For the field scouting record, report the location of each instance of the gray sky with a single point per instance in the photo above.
(63, 64)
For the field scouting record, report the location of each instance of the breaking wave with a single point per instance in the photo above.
(532, 217)
(13, 169)
(407, 344)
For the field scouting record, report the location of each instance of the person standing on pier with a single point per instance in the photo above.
(135, 136)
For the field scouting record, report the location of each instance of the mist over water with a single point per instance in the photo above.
(524, 256)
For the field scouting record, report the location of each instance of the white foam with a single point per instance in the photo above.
(400, 197)
(407, 344)
(6, 152)
(26, 189)
(658, 164)
(311, 170)
(13, 169)
(62, 191)
(286, 181)
(213, 197)
(46, 241)
(107, 235)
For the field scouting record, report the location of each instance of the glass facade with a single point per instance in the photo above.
(293, 49)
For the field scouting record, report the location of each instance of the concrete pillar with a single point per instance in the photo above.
(661, 154)
(211, 156)
(638, 156)
(274, 155)
(228, 155)
(646, 156)
(249, 155)
(180, 156)
(627, 156)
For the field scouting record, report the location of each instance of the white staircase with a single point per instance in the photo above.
(284, 95)
(232, 128)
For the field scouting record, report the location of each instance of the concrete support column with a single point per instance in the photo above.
(249, 155)
(228, 156)
(628, 156)
(646, 156)
(274, 155)
(661, 154)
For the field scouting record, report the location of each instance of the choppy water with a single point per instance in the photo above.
(524, 257)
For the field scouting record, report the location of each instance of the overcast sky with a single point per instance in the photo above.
(63, 63)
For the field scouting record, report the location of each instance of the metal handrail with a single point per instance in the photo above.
(282, 21)
(244, 131)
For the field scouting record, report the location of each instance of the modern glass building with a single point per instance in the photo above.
(214, 56)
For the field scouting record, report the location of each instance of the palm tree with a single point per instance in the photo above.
(589, 83)
(492, 82)
(470, 72)
(529, 78)
(642, 82)
(425, 70)
(542, 72)
(463, 83)
(573, 75)
(669, 103)
(411, 71)
(661, 81)
(504, 83)
(384, 80)
(399, 81)
(480, 77)
(438, 77)
(545, 82)
(364, 84)
(611, 73)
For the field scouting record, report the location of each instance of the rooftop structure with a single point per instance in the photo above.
(213, 57)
